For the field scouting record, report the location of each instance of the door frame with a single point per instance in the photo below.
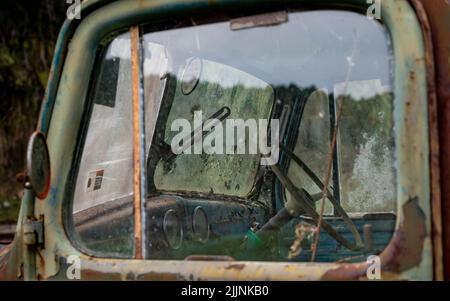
(409, 254)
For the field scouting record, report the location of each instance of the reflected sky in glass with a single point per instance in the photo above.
(312, 48)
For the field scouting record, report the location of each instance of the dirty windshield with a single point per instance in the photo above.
(238, 117)
(218, 90)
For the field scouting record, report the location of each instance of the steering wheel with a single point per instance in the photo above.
(302, 203)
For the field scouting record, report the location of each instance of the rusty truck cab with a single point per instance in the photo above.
(241, 140)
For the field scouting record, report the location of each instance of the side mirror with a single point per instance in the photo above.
(38, 165)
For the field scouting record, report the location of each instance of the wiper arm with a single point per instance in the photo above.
(198, 133)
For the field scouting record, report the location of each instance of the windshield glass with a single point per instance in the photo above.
(201, 69)
(209, 164)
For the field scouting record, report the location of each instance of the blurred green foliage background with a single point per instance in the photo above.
(28, 32)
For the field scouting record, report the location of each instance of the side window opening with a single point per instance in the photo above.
(214, 196)
(103, 216)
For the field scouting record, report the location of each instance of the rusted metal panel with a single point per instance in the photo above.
(106, 269)
(135, 70)
(403, 252)
(259, 20)
(438, 12)
(412, 136)
(406, 248)
(434, 141)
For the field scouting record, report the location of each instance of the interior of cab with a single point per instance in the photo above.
(329, 89)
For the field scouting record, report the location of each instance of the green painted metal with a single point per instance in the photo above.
(63, 115)
(29, 253)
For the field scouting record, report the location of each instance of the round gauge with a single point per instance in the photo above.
(173, 230)
(200, 224)
(191, 75)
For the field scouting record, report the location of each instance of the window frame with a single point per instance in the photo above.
(70, 104)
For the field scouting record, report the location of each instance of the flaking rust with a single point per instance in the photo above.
(403, 252)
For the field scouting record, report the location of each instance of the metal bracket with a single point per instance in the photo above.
(33, 231)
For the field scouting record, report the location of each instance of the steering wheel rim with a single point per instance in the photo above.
(309, 208)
